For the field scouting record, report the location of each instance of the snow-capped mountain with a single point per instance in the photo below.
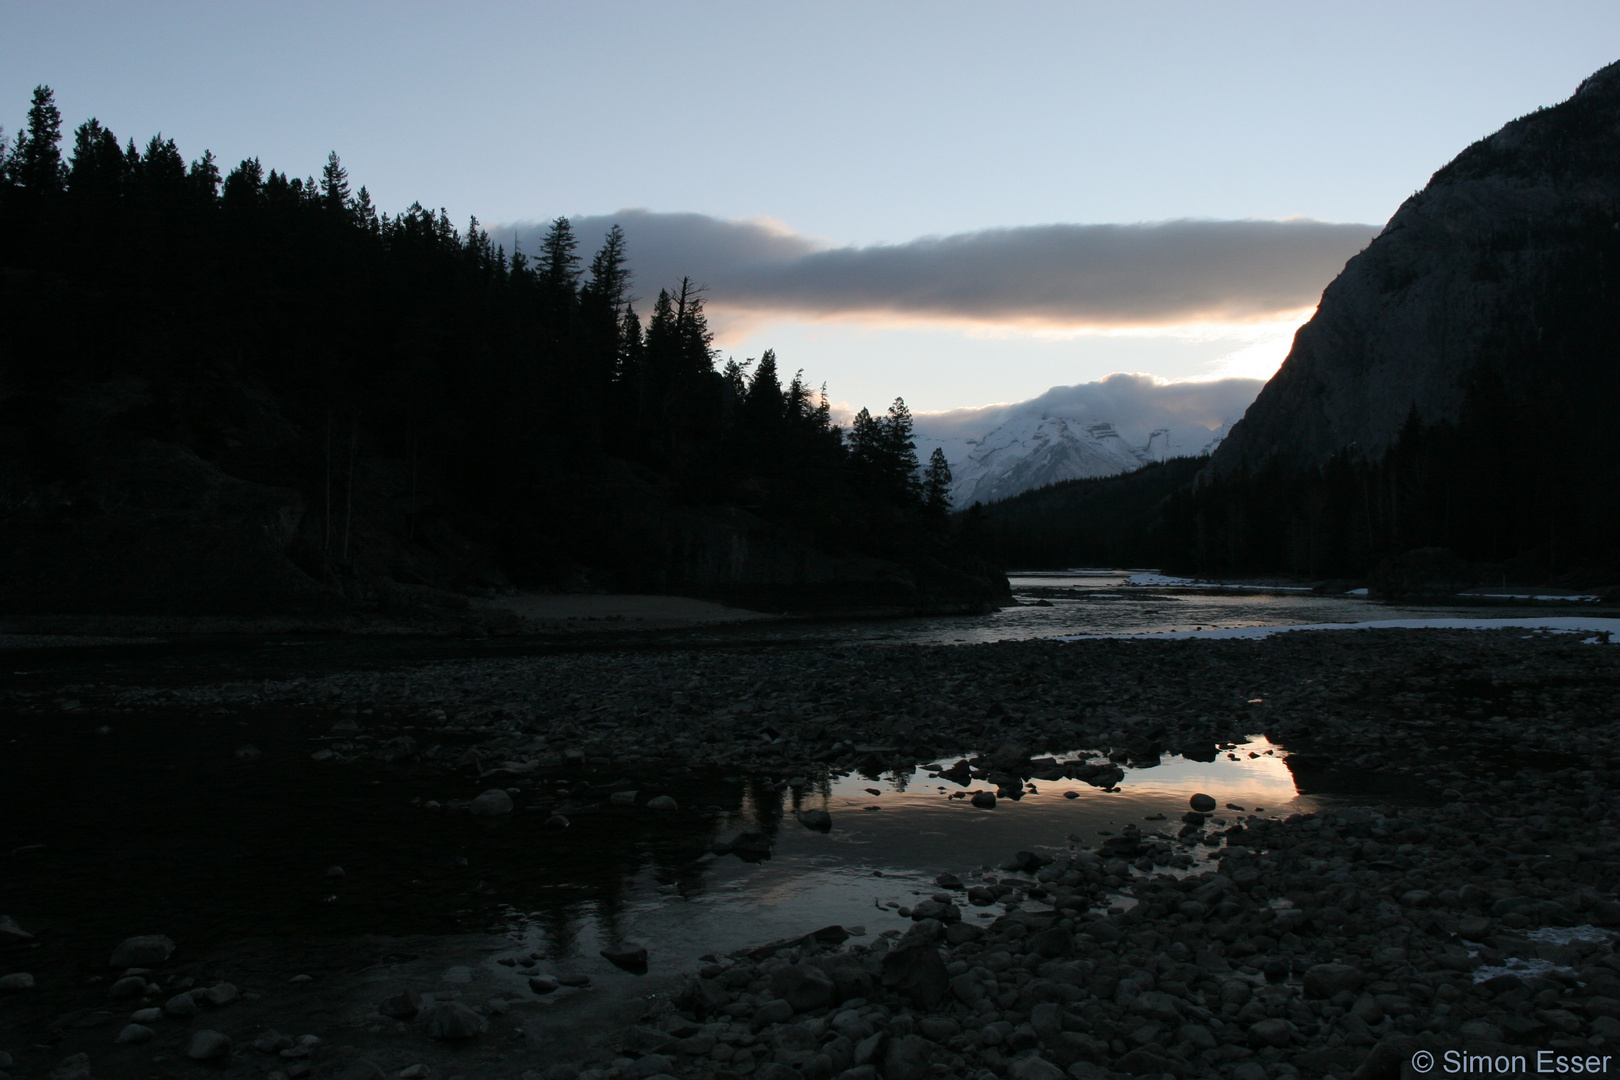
(1031, 451)
(1103, 428)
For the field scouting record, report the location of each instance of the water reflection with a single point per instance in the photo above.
(885, 849)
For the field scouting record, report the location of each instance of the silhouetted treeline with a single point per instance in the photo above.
(496, 386)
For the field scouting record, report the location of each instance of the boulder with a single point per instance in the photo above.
(493, 803)
(1326, 980)
(631, 958)
(207, 1045)
(917, 971)
(804, 987)
(453, 1021)
(143, 950)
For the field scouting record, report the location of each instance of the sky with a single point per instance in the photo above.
(963, 204)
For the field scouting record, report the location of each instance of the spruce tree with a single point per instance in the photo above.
(937, 483)
(334, 185)
(559, 265)
(36, 161)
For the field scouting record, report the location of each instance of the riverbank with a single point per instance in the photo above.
(1501, 739)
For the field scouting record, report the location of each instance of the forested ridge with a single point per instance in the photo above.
(395, 403)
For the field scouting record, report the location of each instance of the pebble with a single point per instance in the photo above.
(146, 1016)
(135, 1034)
(11, 933)
(1203, 804)
(662, 802)
(19, 980)
(182, 1006)
(818, 820)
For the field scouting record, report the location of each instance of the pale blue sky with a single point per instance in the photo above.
(850, 124)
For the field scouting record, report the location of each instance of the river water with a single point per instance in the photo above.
(166, 840)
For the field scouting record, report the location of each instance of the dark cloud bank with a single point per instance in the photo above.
(1098, 275)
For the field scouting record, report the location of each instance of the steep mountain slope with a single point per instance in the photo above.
(1457, 284)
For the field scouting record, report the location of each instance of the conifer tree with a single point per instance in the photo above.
(334, 185)
(36, 161)
(559, 265)
(937, 483)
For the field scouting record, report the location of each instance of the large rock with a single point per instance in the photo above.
(1326, 980)
(207, 1045)
(804, 987)
(918, 972)
(143, 950)
(492, 803)
(453, 1021)
(907, 1058)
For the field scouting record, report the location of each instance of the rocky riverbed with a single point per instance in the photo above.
(1473, 913)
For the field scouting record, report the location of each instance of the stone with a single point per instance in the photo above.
(623, 798)
(248, 752)
(128, 986)
(413, 1072)
(361, 1069)
(135, 1035)
(662, 802)
(542, 984)
(76, 1067)
(1253, 1070)
(207, 1045)
(907, 1058)
(555, 821)
(1037, 1068)
(402, 1006)
(917, 971)
(804, 987)
(867, 1051)
(453, 1021)
(1203, 804)
(631, 958)
(182, 1006)
(775, 1011)
(493, 803)
(220, 994)
(17, 980)
(1326, 980)
(271, 1041)
(143, 950)
(11, 933)
(818, 820)
(146, 1016)
(1271, 1032)
(651, 1065)
(984, 800)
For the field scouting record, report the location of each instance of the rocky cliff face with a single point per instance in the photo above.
(1457, 285)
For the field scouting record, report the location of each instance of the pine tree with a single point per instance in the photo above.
(937, 483)
(900, 451)
(96, 169)
(610, 279)
(559, 265)
(334, 185)
(36, 161)
(764, 395)
(204, 177)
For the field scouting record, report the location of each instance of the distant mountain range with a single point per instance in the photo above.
(1087, 431)
(1033, 451)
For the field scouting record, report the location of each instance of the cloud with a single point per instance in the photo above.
(1135, 404)
(1168, 273)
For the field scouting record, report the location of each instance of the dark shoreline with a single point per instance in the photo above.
(1518, 810)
